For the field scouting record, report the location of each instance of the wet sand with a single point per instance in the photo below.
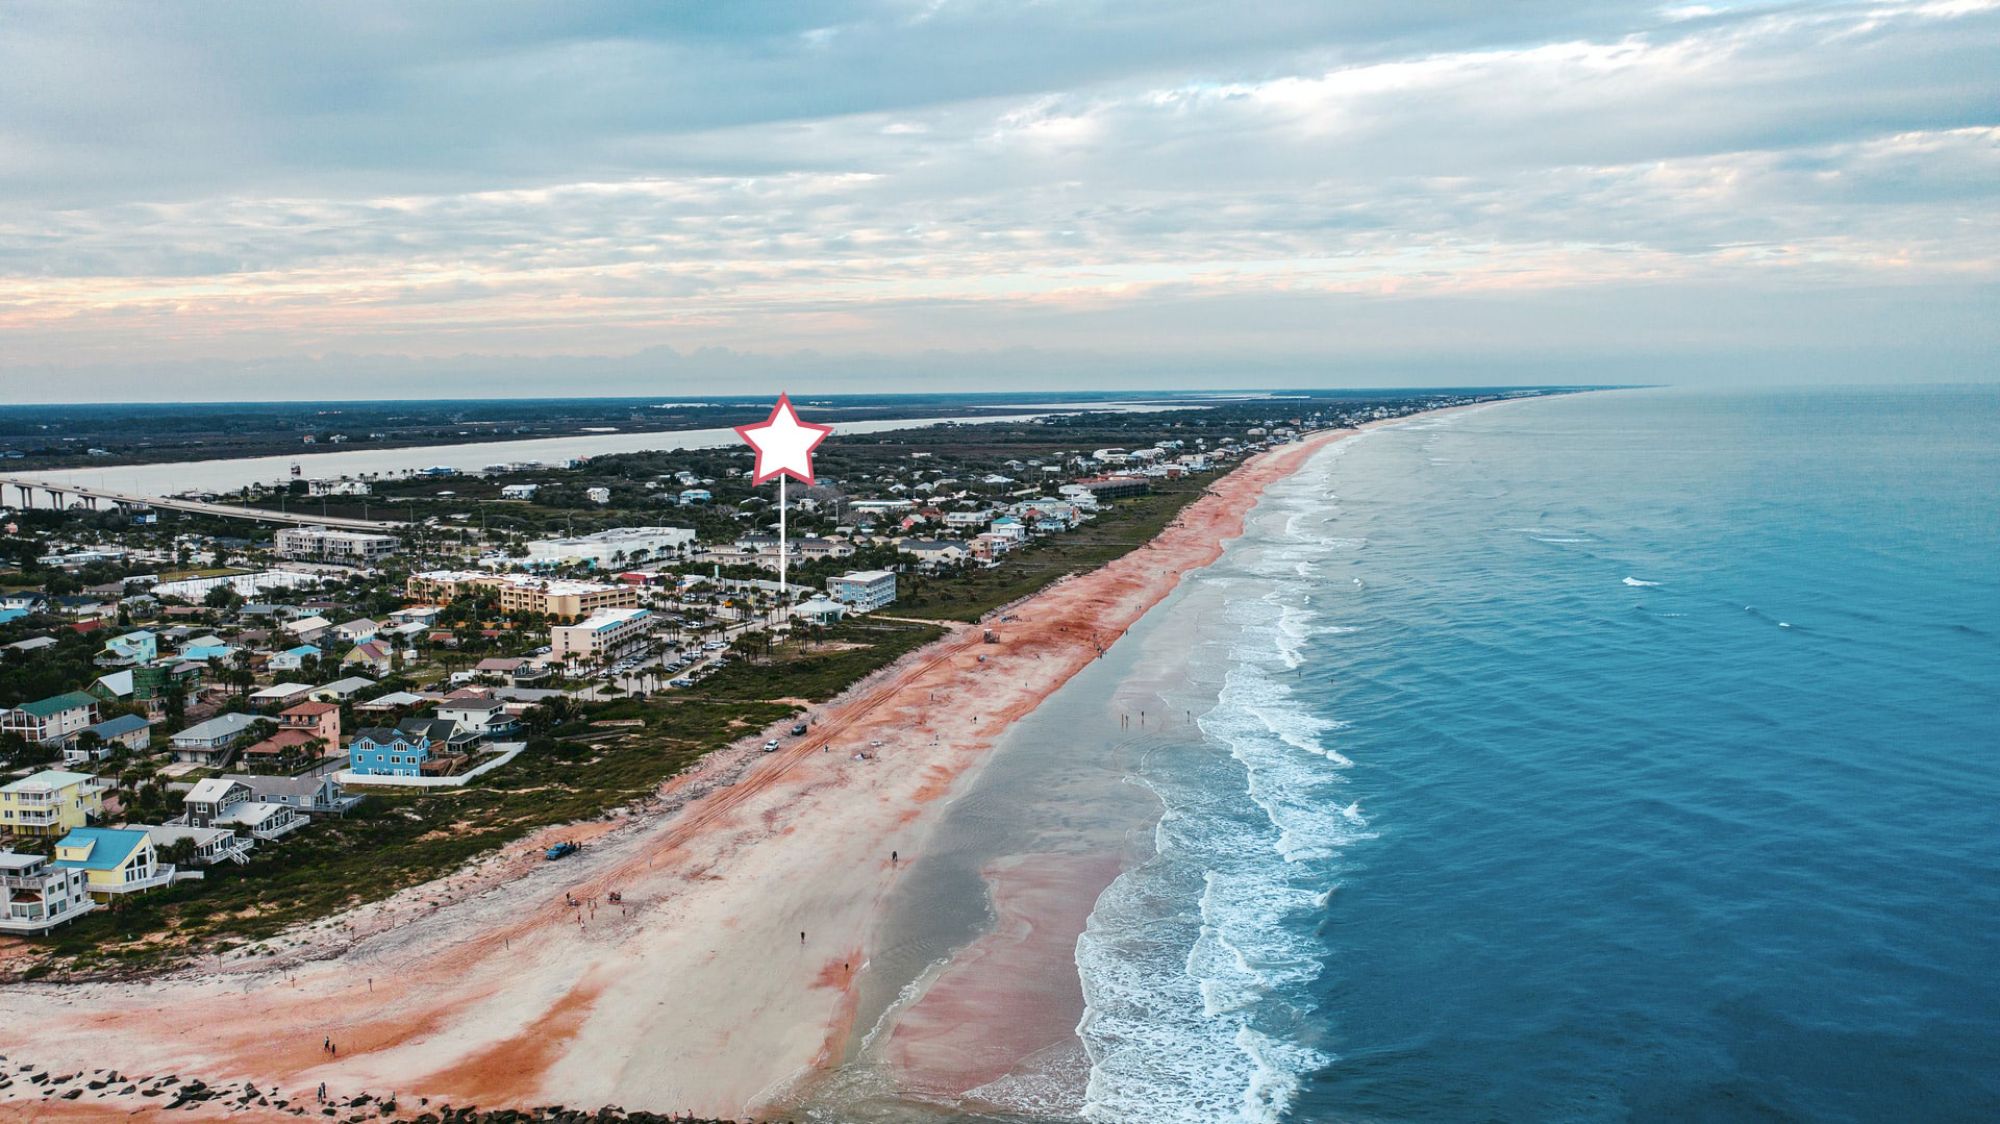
(753, 884)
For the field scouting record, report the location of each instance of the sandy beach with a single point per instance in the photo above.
(727, 978)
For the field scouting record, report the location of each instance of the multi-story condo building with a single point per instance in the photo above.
(863, 590)
(604, 634)
(524, 593)
(327, 545)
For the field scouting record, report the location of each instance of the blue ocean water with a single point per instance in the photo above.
(1625, 756)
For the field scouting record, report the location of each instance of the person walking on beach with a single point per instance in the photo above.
(802, 936)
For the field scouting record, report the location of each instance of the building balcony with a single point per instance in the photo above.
(161, 875)
(28, 919)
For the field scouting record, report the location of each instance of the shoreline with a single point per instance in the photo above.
(1017, 978)
(525, 1001)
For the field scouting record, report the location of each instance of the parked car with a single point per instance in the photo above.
(771, 746)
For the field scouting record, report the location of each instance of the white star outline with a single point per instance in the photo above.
(784, 444)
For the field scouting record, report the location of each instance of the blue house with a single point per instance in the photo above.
(695, 496)
(378, 751)
(131, 648)
(206, 648)
(294, 659)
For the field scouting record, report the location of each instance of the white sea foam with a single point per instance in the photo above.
(1637, 582)
(1202, 1042)
(1203, 1014)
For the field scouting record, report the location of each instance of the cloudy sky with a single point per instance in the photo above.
(279, 200)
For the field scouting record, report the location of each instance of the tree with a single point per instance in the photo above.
(180, 852)
(223, 597)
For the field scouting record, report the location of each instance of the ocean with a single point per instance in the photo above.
(1625, 756)
(1619, 756)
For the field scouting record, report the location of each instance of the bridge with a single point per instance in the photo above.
(70, 495)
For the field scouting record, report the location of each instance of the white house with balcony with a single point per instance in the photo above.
(36, 895)
(212, 742)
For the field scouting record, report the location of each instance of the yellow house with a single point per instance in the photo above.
(51, 802)
(115, 860)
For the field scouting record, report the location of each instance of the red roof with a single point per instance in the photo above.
(280, 742)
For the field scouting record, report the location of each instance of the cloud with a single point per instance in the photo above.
(260, 187)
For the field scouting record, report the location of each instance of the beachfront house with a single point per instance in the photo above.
(403, 751)
(231, 804)
(114, 860)
(312, 795)
(50, 802)
(36, 895)
(211, 844)
(210, 799)
(51, 721)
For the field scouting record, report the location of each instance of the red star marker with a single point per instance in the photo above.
(784, 444)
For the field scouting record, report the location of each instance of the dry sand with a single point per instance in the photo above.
(699, 993)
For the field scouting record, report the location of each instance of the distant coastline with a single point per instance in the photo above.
(754, 901)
